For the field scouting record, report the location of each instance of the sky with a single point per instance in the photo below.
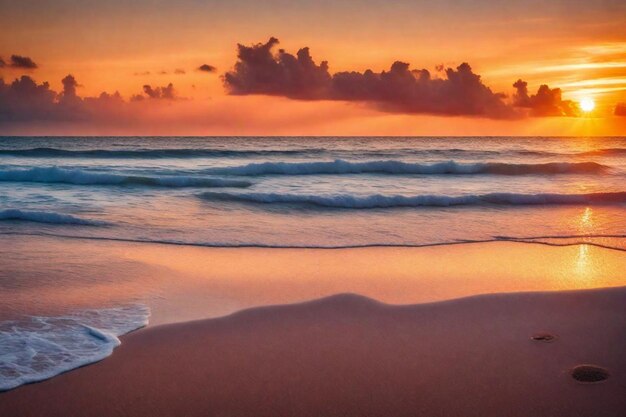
(278, 67)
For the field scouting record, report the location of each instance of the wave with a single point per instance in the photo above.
(46, 217)
(42, 347)
(81, 177)
(150, 153)
(43, 152)
(346, 201)
(604, 152)
(393, 167)
(595, 152)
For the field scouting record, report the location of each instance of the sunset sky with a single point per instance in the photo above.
(139, 48)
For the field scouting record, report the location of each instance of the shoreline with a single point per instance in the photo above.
(347, 354)
(538, 240)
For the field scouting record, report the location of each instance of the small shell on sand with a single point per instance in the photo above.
(589, 373)
(543, 337)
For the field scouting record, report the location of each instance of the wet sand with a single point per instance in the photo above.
(347, 355)
(50, 276)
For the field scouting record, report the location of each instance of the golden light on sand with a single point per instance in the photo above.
(587, 104)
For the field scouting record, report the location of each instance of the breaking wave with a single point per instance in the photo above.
(149, 153)
(43, 152)
(346, 201)
(393, 167)
(82, 177)
(46, 217)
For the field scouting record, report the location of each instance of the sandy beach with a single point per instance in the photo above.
(348, 332)
(348, 355)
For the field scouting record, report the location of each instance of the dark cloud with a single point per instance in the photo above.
(620, 109)
(142, 73)
(157, 93)
(207, 68)
(166, 92)
(401, 89)
(69, 87)
(2, 63)
(23, 62)
(179, 71)
(546, 102)
(24, 100)
(452, 91)
(259, 71)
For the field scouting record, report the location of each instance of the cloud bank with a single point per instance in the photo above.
(261, 70)
(456, 92)
(24, 100)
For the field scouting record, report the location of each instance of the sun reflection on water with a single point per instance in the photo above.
(586, 221)
(583, 267)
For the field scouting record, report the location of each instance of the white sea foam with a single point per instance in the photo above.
(348, 201)
(46, 217)
(39, 348)
(82, 177)
(339, 166)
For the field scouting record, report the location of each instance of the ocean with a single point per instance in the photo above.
(285, 192)
(315, 192)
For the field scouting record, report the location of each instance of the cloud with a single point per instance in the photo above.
(546, 102)
(177, 71)
(24, 100)
(24, 62)
(620, 109)
(207, 68)
(401, 89)
(2, 63)
(69, 87)
(157, 93)
(166, 93)
(450, 92)
(259, 71)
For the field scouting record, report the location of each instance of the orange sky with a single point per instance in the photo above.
(577, 46)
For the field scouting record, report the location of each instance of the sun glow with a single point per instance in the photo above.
(587, 104)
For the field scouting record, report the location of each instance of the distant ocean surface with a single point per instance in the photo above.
(59, 311)
(315, 192)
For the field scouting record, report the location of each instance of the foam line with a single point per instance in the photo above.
(82, 177)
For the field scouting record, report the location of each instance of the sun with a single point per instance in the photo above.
(587, 104)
